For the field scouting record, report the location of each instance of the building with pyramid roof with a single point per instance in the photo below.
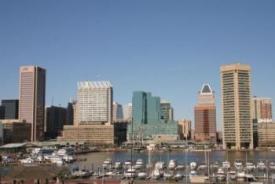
(205, 115)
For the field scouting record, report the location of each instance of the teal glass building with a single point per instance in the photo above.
(147, 122)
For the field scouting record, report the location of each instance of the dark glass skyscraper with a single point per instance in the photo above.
(147, 122)
(70, 114)
(11, 108)
(55, 119)
(2, 112)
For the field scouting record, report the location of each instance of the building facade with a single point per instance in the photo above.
(167, 112)
(15, 131)
(262, 109)
(117, 112)
(92, 114)
(266, 133)
(11, 108)
(127, 112)
(147, 123)
(205, 116)
(2, 112)
(185, 128)
(55, 119)
(32, 99)
(95, 102)
(70, 114)
(236, 106)
(261, 113)
(95, 134)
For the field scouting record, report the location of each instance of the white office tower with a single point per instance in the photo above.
(127, 112)
(94, 102)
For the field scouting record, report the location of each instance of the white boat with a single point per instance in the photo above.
(214, 165)
(272, 165)
(107, 161)
(156, 174)
(65, 151)
(226, 165)
(250, 166)
(61, 152)
(180, 167)
(151, 147)
(250, 177)
(178, 176)
(40, 158)
(81, 174)
(172, 164)
(107, 164)
(241, 176)
(139, 164)
(118, 165)
(193, 165)
(56, 160)
(26, 161)
(220, 174)
(142, 175)
(159, 165)
(238, 165)
(35, 151)
(110, 173)
(167, 175)
(193, 173)
(127, 164)
(130, 173)
(69, 158)
(202, 167)
(232, 175)
(261, 165)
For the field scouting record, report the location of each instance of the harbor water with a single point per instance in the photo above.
(96, 159)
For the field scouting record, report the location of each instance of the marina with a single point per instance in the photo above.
(185, 167)
(161, 166)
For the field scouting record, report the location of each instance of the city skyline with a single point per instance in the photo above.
(125, 49)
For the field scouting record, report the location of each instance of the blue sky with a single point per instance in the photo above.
(166, 47)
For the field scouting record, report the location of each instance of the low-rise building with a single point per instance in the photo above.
(16, 131)
(266, 134)
(95, 134)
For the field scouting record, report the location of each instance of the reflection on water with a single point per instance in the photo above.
(96, 159)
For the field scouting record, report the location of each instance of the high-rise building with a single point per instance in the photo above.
(205, 115)
(117, 112)
(32, 99)
(2, 112)
(146, 107)
(166, 111)
(55, 119)
(1, 133)
(95, 102)
(262, 109)
(92, 115)
(11, 109)
(236, 106)
(127, 112)
(147, 122)
(70, 114)
(261, 113)
(185, 129)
